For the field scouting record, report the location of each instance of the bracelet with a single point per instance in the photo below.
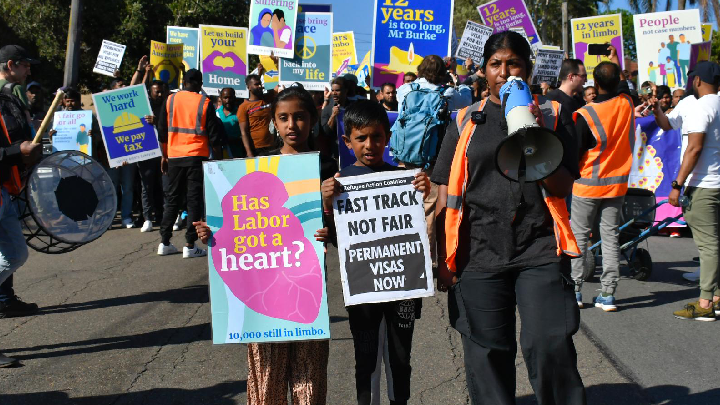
(139, 70)
(328, 212)
(327, 99)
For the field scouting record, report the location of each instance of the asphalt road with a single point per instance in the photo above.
(120, 325)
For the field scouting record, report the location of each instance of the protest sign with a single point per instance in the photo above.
(505, 14)
(267, 271)
(534, 46)
(473, 41)
(312, 64)
(272, 27)
(656, 162)
(382, 238)
(315, 8)
(271, 77)
(223, 57)
(547, 66)
(72, 131)
(190, 40)
(707, 30)
(664, 41)
(109, 58)
(698, 53)
(167, 61)
(343, 52)
(363, 71)
(404, 33)
(602, 29)
(128, 137)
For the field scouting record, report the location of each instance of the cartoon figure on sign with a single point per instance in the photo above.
(262, 254)
(262, 34)
(82, 139)
(282, 32)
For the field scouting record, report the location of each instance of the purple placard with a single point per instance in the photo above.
(504, 14)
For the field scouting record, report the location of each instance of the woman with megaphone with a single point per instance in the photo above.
(504, 239)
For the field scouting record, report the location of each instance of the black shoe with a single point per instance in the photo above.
(7, 361)
(16, 308)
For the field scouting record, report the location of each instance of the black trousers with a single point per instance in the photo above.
(183, 181)
(364, 324)
(149, 171)
(482, 308)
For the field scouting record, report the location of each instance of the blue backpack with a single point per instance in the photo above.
(419, 126)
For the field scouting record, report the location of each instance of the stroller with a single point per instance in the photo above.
(638, 216)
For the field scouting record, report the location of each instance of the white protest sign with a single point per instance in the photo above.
(547, 66)
(473, 41)
(382, 238)
(109, 58)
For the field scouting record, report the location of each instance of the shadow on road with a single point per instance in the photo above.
(187, 295)
(220, 394)
(632, 394)
(162, 337)
(657, 298)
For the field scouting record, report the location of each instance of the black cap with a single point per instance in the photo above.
(15, 53)
(192, 75)
(708, 72)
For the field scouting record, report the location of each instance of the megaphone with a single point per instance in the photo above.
(530, 151)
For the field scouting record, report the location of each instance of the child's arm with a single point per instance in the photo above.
(322, 235)
(422, 183)
(330, 188)
(203, 231)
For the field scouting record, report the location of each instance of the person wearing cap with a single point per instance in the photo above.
(605, 135)
(15, 65)
(36, 101)
(187, 130)
(16, 133)
(699, 175)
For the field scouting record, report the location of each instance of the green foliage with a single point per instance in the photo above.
(42, 27)
(715, 47)
(628, 31)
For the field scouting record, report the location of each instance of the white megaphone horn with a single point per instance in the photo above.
(530, 152)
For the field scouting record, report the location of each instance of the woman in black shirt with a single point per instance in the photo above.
(512, 260)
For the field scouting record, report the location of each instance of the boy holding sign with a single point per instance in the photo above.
(367, 133)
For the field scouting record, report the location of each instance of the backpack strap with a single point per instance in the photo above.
(8, 88)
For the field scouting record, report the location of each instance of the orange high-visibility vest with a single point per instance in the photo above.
(186, 125)
(457, 184)
(604, 169)
(14, 184)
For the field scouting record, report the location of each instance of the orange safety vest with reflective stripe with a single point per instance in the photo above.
(604, 169)
(186, 125)
(14, 184)
(457, 184)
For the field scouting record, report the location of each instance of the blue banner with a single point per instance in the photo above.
(404, 33)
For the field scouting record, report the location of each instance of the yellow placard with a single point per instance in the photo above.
(167, 62)
(343, 51)
(223, 59)
(707, 30)
(601, 29)
(271, 77)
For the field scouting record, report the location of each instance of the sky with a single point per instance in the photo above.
(356, 15)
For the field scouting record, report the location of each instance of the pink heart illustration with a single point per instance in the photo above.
(262, 254)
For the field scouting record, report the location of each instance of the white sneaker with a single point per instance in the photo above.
(128, 223)
(178, 223)
(147, 227)
(164, 250)
(193, 252)
(694, 276)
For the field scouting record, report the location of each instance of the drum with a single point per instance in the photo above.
(68, 201)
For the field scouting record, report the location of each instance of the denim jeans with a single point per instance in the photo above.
(123, 177)
(13, 250)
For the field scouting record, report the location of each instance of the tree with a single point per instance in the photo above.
(41, 27)
(651, 6)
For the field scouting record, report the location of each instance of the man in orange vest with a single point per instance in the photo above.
(606, 133)
(13, 250)
(187, 129)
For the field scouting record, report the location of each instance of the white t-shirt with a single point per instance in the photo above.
(682, 109)
(704, 116)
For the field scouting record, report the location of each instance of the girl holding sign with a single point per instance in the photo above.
(301, 365)
(513, 259)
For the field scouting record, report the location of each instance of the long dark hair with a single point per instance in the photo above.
(509, 40)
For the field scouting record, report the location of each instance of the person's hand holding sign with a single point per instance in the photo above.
(422, 183)
(329, 189)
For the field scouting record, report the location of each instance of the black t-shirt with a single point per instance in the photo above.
(571, 104)
(353, 170)
(495, 243)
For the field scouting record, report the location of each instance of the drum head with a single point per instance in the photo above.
(71, 199)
